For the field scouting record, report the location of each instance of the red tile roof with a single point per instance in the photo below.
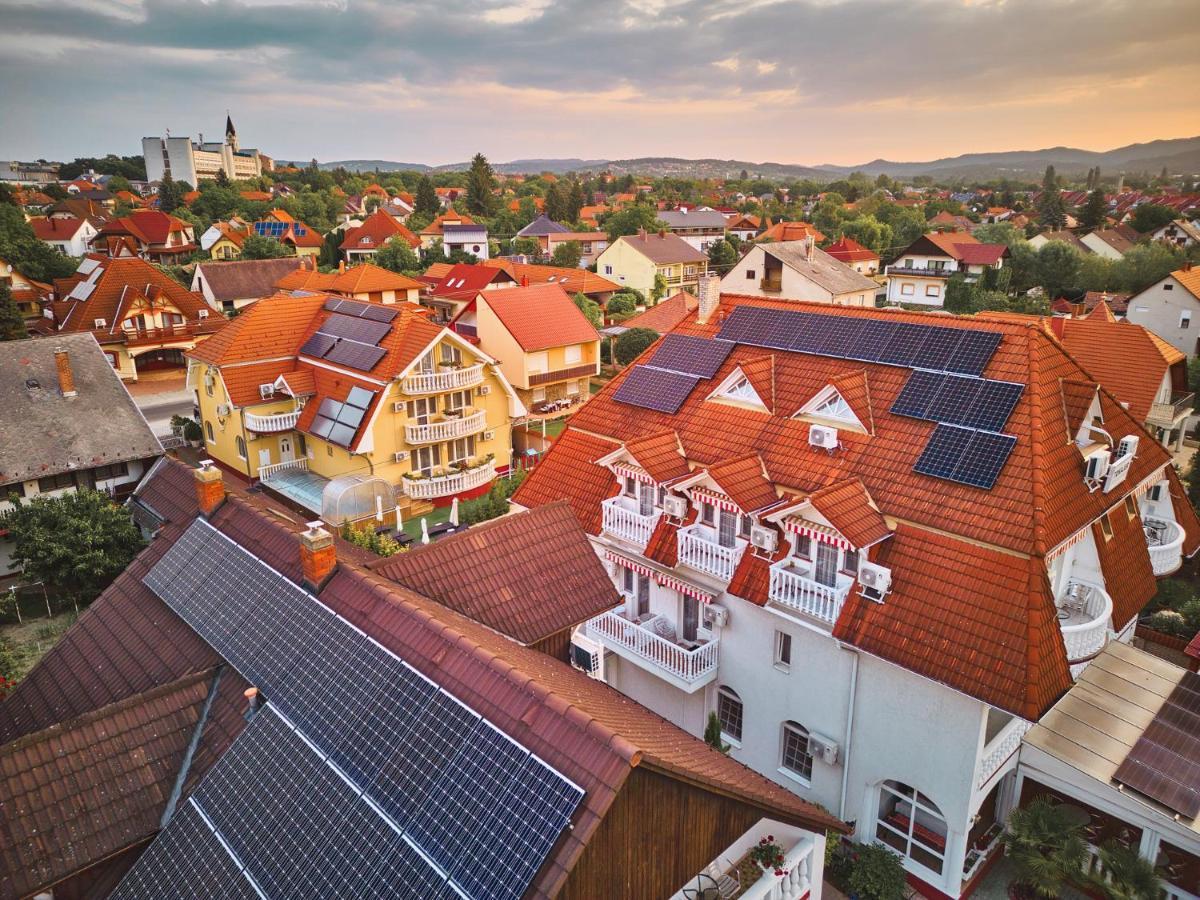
(149, 226)
(667, 314)
(540, 317)
(434, 228)
(573, 281)
(850, 510)
(57, 229)
(375, 231)
(1125, 562)
(570, 475)
(268, 329)
(789, 231)
(367, 277)
(745, 480)
(661, 455)
(848, 250)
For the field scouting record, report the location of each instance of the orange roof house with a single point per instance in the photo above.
(378, 228)
(150, 234)
(573, 281)
(789, 231)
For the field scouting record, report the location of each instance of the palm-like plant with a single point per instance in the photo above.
(1127, 874)
(1046, 847)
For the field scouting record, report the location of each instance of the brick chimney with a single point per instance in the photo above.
(341, 265)
(318, 556)
(210, 488)
(710, 296)
(66, 378)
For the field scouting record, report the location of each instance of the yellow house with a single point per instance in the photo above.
(547, 348)
(351, 410)
(366, 281)
(26, 292)
(633, 260)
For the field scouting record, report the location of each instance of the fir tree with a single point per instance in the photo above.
(481, 181)
(575, 202)
(555, 204)
(1050, 206)
(425, 203)
(1093, 212)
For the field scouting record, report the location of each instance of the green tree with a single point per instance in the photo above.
(632, 218)
(1151, 217)
(631, 344)
(397, 256)
(256, 246)
(622, 306)
(575, 201)
(527, 246)
(170, 193)
(425, 201)
(1094, 211)
(1050, 207)
(20, 248)
(481, 181)
(590, 309)
(75, 544)
(12, 323)
(567, 254)
(1000, 233)
(660, 288)
(960, 295)
(712, 734)
(877, 873)
(1057, 268)
(215, 203)
(870, 232)
(1127, 874)
(1045, 846)
(721, 256)
(555, 205)
(1146, 264)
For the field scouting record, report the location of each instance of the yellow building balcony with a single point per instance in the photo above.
(271, 424)
(448, 427)
(443, 485)
(445, 380)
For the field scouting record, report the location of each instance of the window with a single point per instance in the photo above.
(457, 401)
(727, 528)
(707, 513)
(208, 433)
(744, 524)
(1106, 527)
(729, 712)
(573, 354)
(630, 488)
(539, 394)
(749, 274)
(1156, 492)
(241, 447)
(850, 562)
(911, 823)
(906, 289)
(1185, 319)
(57, 482)
(783, 649)
(461, 450)
(608, 270)
(804, 546)
(1168, 287)
(646, 500)
(116, 470)
(689, 270)
(425, 458)
(1130, 507)
(637, 588)
(836, 408)
(796, 757)
(933, 290)
(538, 362)
(451, 354)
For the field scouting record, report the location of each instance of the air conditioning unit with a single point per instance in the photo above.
(875, 580)
(587, 655)
(1127, 446)
(823, 436)
(223, 409)
(202, 314)
(675, 506)
(763, 538)
(400, 455)
(266, 391)
(1117, 471)
(484, 390)
(489, 435)
(824, 747)
(714, 616)
(1096, 465)
(100, 323)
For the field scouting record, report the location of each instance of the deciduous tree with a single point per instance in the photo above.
(12, 323)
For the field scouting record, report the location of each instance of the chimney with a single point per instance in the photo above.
(318, 556)
(1187, 265)
(66, 378)
(642, 233)
(810, 247)
(210, 488)
(710, 296)
(252, 702)
(341, 265)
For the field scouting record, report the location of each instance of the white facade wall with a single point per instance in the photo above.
(1100, 247)
(171, 153)
(746, 277)
(1169, 310)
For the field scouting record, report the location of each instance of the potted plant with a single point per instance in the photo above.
(1127, 874)
(1046, 847)
(876, 873)
(769, 855)
(192, 432)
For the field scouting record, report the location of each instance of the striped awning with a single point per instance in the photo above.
(717, 499)
(817, 532)
(637, 473)
(1068, 543)
(676, 584)
(1148, 482)
(627, 563)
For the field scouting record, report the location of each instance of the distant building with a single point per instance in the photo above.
(798, 270)
(920, 274)
(855, 255)
(1169, 306)
(701, 228)
(1180, 233)
(230, 286)
(191, 161)
(26, 293)
(66, 234)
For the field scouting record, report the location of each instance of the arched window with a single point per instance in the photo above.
(241, 446)
(796, 757)
(208, 432)
(911, 823)
(729, 712)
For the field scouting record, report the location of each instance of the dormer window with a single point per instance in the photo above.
(835, 408)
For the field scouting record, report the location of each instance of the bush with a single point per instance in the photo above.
(1172, 622)
(620, 306)
(631, 344)
(1046, 848)
(494, 503)
(877, 873)
(712, 734)
(366, 537)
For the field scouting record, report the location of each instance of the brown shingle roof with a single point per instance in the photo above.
(241, 279)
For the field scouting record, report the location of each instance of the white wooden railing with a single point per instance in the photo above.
(689, 666)
(266, 473)
(707, 556)
(446, 429)
(796, 591)
(1000, 750)
(1166, 548)
(1087, 637)
(794, 884)
(451, 483)
(278, 422)
(627, 524)
(445, 380)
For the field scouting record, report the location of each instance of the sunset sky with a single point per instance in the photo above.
(795, 81)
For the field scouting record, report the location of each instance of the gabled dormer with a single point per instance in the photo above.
(750, 385)
(642, 468)
(844, 403)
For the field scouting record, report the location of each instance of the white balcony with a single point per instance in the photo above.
(794, 587)
(447, 428)
(1000, 750)
(622, 520)
(444, 380)
(732, 875)
(698, 548)
(654, 646)
(1084, 613)
(269, 424)
(449, 483)
(1165, 542)
(266, 473)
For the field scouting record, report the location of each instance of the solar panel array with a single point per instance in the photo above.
(1164, 763)
(958, 399)
(691, 355)
(338, 422)
(271, 229)
(965, 455)
(361, 309)
(657, 389)
(370, 780)
(350, 337)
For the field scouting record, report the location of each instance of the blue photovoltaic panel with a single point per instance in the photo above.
(918, 394)
(953, 400)
(360, 398)
(655, 389)
(983, 458)
(957, 400)
(318, 345)
(974, 352)
(365, 331)
(904, 344)
(994, 405)
(357, 356)
(939, 346)
(875, 336)
(361, 309)
(691, 355)
(844, 335)
(943, 451)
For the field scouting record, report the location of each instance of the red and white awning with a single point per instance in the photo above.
(1068, 543)
(627, 563)
(676, 584)
(817, 532)
(715, 498)
(637, 473)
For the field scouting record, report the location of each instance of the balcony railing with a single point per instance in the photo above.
(689, 668)
(1084, 614)
(771, 285)
(1165, 542)
(539, 378)
(266, 473)
(450, 483)
(699, 549)
(446, 429)
(793, 586)
(625, 522)
(920, 271)
(445, 380)
(802, 867)
(138, 336)
(1179, 406)
(268, 424)
(1000, 750)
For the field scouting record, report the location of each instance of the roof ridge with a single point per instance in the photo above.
(1038, 479)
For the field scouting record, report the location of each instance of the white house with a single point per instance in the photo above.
(1170, 308)
(1110, 243)
(467, 237)
(798, 270)
(699, 227)
(850, 565)
(920, 273)
(66, 234)
(1180, 233)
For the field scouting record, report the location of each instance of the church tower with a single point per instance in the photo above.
(230, 133)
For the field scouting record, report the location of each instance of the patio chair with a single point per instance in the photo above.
(664, 629)
(728, 883)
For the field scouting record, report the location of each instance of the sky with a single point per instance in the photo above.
(434, 81)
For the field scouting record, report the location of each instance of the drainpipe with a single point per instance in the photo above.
(849, 730)
(246, 443)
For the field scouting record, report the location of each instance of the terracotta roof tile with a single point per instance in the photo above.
(375, 231)
(1077, 400)
(1125, 562)
(573, 281)
(848, 250)
(659, 454)
(789, 231)
(1189, 278)
(850, 510)
(664, 316)
(745, 480)
(271, 328)
(570, 473)
(367, 277)
(540, 317)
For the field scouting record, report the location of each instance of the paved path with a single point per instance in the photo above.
(159, 407)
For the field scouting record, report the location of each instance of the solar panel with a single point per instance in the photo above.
(918, 394)
(943, 451)
(655, 389)
(357, 356)
(1164, 762)
(965, 455)
(359, 397)
(691, 355)
(874, 338)
(378, 313)
(971, 402)
(342, 435)
(953, 399)
(994, 405)
(321, 426)
(973, 352)
(318, 345)
(940, 344)
(360, 309)
(350, 415)
(364, 331)
(905, 342)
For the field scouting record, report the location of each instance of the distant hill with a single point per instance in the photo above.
(1181, 156)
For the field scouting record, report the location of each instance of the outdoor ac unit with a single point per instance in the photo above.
(1096, 465)
(266, 391)
(223, 409)
(398, 406)
(100, 323)
(823, 436)
(489, 435)
(876, 580)
(587, 655)
(824, 747)
(1127, 446)
(714, 616)
(675, 506)
(202, 314)
(400, 455)
(484, 390)
(763, 538)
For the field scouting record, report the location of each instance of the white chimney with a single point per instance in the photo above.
(710, 296)
(810, 247)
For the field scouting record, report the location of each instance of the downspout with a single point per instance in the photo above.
(245, 441)
(849, 730)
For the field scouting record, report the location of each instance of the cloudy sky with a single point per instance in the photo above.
(798, 81)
